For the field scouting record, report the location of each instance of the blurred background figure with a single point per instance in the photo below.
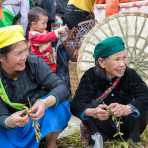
(78, 11)
(50, 7)
(15, 11)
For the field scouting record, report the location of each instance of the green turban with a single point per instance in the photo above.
(108, 47)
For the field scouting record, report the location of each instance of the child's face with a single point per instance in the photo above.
(41, 24)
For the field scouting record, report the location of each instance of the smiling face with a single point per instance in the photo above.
(115, 64)
(15, 59)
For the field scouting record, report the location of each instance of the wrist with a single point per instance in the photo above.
(8, 123)
(49, 101)
(44, 102)
(91, 112)
(129, 109)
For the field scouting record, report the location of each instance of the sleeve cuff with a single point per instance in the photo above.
(83, 116)
(2, 122)
(135, 112)
(57, 98)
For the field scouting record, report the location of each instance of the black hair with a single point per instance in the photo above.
(7, 49)
(34, 14)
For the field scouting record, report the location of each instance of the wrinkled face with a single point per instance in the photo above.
(41, 24)
(115, 64)
(14, 60)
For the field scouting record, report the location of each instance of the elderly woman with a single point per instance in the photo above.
(32, 99)
(111, 88)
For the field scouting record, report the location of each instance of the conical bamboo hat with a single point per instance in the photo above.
(132, 27)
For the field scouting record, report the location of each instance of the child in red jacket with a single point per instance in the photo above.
(40, 39)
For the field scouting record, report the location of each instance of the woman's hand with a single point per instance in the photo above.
(101, 112)
(120, 110)
(37, 110)
(17, 119)
(62, 32)
(62, 29)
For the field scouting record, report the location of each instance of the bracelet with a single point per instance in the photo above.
(45, 102)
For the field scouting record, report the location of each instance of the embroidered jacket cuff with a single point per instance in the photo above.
(83, 116)
(135, 112)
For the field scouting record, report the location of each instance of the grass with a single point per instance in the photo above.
(73, 141)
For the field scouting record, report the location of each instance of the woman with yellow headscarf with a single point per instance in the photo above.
(33, 102)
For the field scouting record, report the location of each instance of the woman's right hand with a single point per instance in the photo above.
(62, 31)
(17, 119)
(101, 112)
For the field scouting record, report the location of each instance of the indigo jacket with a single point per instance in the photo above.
(130, 90)
(35, 82)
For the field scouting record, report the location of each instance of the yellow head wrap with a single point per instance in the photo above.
(10, 35)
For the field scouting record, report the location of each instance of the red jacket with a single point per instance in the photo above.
(41, 46)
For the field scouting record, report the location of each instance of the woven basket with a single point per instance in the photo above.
(137, 6)
(72, 45)
(132, 27)
(73, 77)
(75, 36)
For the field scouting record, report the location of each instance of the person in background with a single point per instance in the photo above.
(60, 7)
(78, 11)
(32, 98)
(40, 39)
(112, 88)
(50, 7)
(14, 9)
(1, 11)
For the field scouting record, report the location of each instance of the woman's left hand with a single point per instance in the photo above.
(120, 109)
(37, 110)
